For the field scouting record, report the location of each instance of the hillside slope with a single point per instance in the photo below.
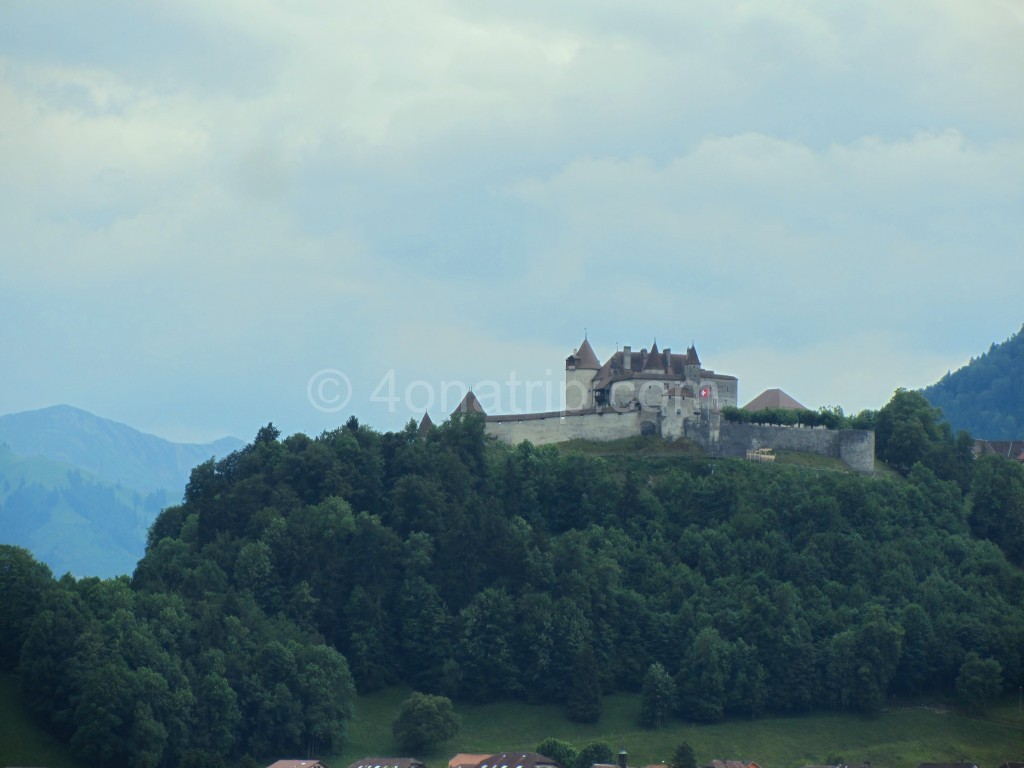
(986, 396)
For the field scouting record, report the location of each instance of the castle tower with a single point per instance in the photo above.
(580, 369)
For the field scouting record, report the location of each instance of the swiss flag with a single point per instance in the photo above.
(704, 391)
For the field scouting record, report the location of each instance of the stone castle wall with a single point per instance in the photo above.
(542, 429)
(854, 447)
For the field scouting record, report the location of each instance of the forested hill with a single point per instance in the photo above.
(986, 396)
(108, 450)
(458, 566)
(80, 491)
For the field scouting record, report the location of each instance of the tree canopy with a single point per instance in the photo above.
(299, 569)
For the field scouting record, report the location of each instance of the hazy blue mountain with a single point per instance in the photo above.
(80, 491)
(986, 396)
(109, 450)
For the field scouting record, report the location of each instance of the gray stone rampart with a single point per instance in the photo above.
(855, 447)
(542, 429)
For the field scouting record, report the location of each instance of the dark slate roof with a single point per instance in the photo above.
(773, 398)
(298, 764)
(584, 358)
(388, 762)
(664, 365)
(518, 760)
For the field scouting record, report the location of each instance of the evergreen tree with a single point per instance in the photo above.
(657, 697)
(583, 702)
(683, 757)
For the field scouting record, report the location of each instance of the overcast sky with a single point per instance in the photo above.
(219, 214)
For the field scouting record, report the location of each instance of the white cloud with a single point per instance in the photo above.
(258, 189)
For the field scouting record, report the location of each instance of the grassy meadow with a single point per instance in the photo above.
(897, 739)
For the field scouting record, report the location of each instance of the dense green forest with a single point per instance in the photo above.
(986, 397)
(298, 570)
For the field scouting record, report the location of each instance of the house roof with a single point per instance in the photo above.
(388, 762)
(730, 764)
(773, 398)
(466, 759)
(297, 764)
(517, 760)
(1010, 449)
(469, 404)
(584, 358)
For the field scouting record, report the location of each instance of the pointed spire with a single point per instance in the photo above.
(584, 358)
(469, 404)
(654, 361)
(425, 425)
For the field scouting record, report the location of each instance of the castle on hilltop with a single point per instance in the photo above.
(632, 393)
(659, 393)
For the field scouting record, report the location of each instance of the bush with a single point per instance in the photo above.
(424, 721)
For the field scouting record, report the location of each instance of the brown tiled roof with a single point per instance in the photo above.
(470, 404)
(466, 760)
(1010, 449)
(584, 358)
(773, 398)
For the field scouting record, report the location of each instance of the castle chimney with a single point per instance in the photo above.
(667, 353)
(627, 358)
(622, 758)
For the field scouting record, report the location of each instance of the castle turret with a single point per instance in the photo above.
(580, 369)
(469, 404)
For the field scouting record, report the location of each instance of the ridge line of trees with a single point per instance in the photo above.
(299, 570)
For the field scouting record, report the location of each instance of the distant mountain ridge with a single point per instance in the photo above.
(80, 491)
(113, 452)
(986, 396)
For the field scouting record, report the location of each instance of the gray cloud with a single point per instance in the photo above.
(203, 205)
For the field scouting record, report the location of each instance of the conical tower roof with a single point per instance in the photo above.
(426, 424)
(654, 361)
(470, 404)
(584, 358)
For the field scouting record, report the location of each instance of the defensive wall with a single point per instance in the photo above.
(559, 426)
(854, 447)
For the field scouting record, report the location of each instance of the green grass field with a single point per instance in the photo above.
(22, 742)
(897, 739)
